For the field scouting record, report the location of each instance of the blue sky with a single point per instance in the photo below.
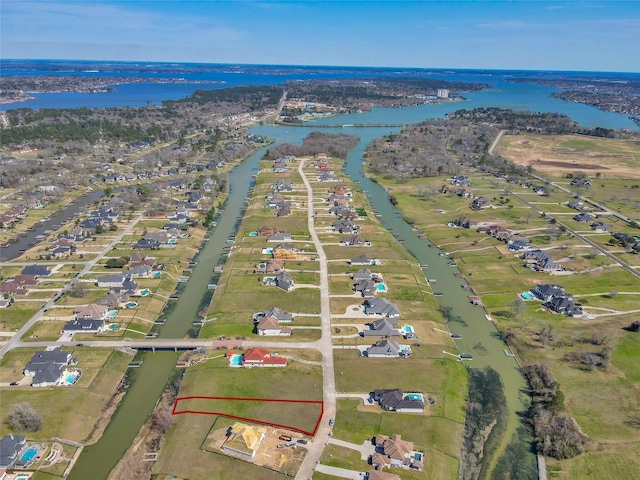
(578, 35)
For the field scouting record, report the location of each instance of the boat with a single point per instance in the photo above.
(457, 336)
(508, 353)
(466, 356)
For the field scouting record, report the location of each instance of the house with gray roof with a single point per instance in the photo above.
(10, 446)
(394, 400)
(47, 367)
(583, 217)
(388, 349)
(36, 270)
(361, 260)
(546, 292)
(366, 287)
(83, 325)
(381, 306)
(279, 237)
(362, 274)
(282, 280)
(277, 313)
(383, 327)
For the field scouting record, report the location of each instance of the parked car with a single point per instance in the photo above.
(331, 422)
(302, 441)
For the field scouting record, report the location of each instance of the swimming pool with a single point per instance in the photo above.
(171, 241)
(156, 275)
(267, 251)
(253, 234)
(381, 287)
(407, 329)
(112, 326)
(415, 396)
(30, 453)
(235, 361)
(71, 378)
(144, 293)
(130, 305)
(526, 295)
(112, 314)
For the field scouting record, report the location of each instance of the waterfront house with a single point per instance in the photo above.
(362, 274)
(382, 327)
(271, 266)
(244, 440)
(366, 287)
(388, 349)
(381, 306)
(282, 280)
(47, 367)
(361, 260)
(112, 280)
(268, 230)
(279, 237)
(260, 357)
(10, 447)
(394, 400)
(546, 292)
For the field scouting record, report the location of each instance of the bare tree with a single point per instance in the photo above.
(23, 417)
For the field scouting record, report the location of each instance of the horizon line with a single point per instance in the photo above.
(291, 65)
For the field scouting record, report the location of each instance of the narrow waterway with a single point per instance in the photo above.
(149, 380)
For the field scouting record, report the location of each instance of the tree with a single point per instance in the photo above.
(78, 290)
(22, 417)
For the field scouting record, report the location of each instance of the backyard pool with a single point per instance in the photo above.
(71, 378)
(30, 453)
(156, 275)
(381, 287)
(526, 295)
(112, 314)
(144, 293)
(130, 305)
(253, 234)
(235, 361)
(407, 329)
(267, 251)
(415, 396)
(112, 327)
(262, 265)
(172, 241)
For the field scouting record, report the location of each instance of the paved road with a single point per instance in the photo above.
(316, 447)
(340, 472)
(15, 340)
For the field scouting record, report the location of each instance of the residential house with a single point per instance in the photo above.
(382, 328)
(140, 271)
(399, 452)
(381, 306)
(284, 211)
(366, 287)
(380, 475)
(10, 447)
(272, 266)
(112, 280)
(25, 281)
(583, 217)
(279, 237)
(282, 280)
(83, 325)
(269, 326)
(282, 186)
(576, 204)
(542, 261)
(36, 270)
(563, 304)
(388, 349)
(114, 300)
(345, 226)
(362, 274)
(394, 400)
(277, 313)
(268, 230)
(14, 290)
(480, 203)
(461, 181)
(93, 310)
(355, 241)
(47, 367)
(361, 260)
(260, 357)
(600, 227)
(546, 292)
(146, 244)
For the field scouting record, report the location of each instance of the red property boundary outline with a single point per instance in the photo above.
(175, 410)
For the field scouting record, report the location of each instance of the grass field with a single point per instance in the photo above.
(569, 153)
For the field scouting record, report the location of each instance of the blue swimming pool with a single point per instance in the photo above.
(415, 396)
(30, 453)
(131, 305)
(527, 295)
(408, 329)
(112, 326)
(144, 292)
(112, 314)
(235, 361)
(253, 234)
(381, 287)
(71, 378)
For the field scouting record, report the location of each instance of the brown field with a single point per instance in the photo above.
(559, 154)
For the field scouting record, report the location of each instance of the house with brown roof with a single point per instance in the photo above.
(272, 266)
(380, 475)
(260, 357)
(399, 452)
(93, 310)
(268, 230)
(269, 326)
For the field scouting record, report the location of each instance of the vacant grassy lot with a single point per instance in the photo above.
(568, 153)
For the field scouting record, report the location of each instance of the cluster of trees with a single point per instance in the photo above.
(316, 142)
(485, 406)
(117, 262)
(252, 97)
(23, 418)
(556, 433)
